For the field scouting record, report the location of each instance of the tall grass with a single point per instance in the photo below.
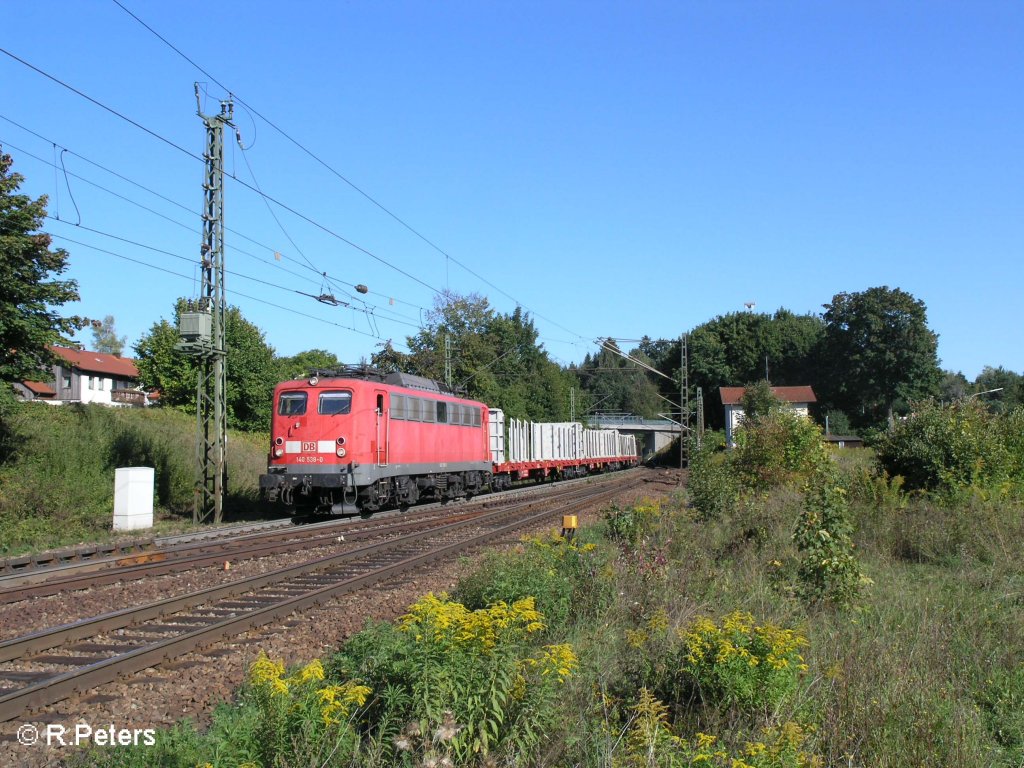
(57, 469)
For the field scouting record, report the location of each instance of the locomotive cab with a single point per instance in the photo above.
(360, 440)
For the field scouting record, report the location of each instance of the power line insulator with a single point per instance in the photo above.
(362, 288)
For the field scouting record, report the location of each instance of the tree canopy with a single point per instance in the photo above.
(105, 338)
(29, 294)
(878, 350)
(495, 358)
(615, 384)
(252, 369)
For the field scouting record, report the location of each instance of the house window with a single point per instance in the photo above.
(99, 383)
(67, 382)
(90, 381)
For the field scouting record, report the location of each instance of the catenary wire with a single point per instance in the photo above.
(232, 292)
(188, 228)
(285, 206)
(339, 175)
(190, 261)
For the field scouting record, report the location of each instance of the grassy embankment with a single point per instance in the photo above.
(57, 470)
(885, 633)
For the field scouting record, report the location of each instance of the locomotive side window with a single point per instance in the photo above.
(442, 413)
(291, 404)
(427, 412)
(398, 408)
(334, 403)
(476, 417)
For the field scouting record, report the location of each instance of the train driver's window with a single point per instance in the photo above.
(442, 413)
(335, 403)
(291, 404)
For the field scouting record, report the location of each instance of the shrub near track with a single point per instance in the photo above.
(955, 447)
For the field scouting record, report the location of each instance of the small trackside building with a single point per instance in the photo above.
(797, 399)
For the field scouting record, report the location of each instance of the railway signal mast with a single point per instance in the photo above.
(201, 327)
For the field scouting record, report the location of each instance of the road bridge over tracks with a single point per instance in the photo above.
(652, 434)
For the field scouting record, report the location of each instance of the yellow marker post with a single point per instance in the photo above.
(569, 525)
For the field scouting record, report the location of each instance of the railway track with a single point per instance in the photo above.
(47, 666)
(52, 573)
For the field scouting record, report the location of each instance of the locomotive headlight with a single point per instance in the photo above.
(341, 452)
(278, 453)
(313, 381)
(341, 441)
(278, 441)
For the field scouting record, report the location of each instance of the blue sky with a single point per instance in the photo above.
(617, 168)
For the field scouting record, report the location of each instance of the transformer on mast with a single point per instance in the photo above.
(201, 327)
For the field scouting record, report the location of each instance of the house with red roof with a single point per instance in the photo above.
(34, 390)
(797, 399)
(81, 376)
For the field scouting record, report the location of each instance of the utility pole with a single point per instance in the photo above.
(700, 417)
(202, 329)
(684, 403)
(572, 403)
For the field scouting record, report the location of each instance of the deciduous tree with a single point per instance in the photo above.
(299, 366)
(252, 370)
(29, 294)
(105, 338)
(878, 350)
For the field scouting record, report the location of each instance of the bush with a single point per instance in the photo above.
(739, 664)
(650, 743)
(777, 448)
(713, 487)
(561, 576)
(948, 448)
(57, 486)
(472, 678)
(829, 571)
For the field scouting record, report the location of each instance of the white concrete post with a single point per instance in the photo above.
(133, 498)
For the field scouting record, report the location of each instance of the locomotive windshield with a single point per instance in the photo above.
(335, 403)
(291, 404)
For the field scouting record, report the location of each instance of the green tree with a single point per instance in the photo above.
(252, 373)
(29, 296)
(737, 347)
(616, 384)
(758, 400)
(252, 370)
(495, 358)
(162, 367)
(105, 338)
(953, 386)
(300, 365)
(1008, 386)
(878, 350)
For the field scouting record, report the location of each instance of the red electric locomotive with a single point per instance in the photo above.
(359, 440)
